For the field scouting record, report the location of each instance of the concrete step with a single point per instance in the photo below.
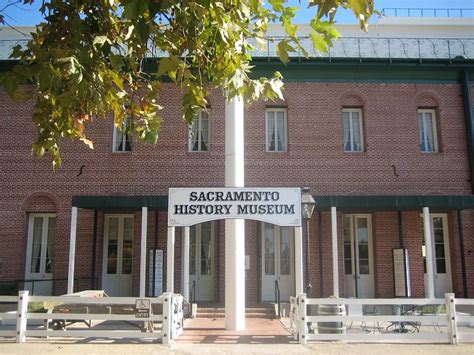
(218, 312)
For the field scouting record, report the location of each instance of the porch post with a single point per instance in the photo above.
(72, 250)
(186, 263)
(170, 261)
(298, 261)
(234, 229)
(143, 251)
(429, 253)
(335, 268)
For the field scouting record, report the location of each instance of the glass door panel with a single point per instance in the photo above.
(278, 262)
(118, 255)
(201, 262)
(40, 253)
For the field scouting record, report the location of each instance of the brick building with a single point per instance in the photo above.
(379, 128)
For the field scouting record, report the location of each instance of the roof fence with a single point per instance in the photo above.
(427, 12)
(360, 48)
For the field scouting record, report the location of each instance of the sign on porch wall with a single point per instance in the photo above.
(401, 273)
(190, 206)
(156, 268)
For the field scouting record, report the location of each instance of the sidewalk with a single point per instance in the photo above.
(209, 336)
(81, 347)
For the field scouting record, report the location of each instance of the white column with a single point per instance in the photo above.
(430, 290)
(299, 261)
(170, 261)
(143, 251)
(335, 267)
(234, 229)
(72, 250)
(186, 263)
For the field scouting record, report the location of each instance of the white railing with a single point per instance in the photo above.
(162, 321)
(404, 320)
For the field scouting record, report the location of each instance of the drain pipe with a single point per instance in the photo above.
(469, 119)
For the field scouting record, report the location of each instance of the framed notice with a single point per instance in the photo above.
(155, 272)
(401, 273)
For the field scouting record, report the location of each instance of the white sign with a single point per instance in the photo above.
(401, 273)
(190, 206)
(142, 308)
(158, 271)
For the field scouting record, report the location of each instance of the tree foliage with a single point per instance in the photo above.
(88, 58)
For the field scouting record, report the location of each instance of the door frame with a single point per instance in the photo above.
(355, 253)
(29, 245)
(106, 239)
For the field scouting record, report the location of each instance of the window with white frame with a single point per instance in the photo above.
(353, 135)
(199, 133)
(276, 127)
(122, 141)
(428, 132)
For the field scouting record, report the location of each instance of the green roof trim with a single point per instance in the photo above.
(394, 203)
(370, 70)
(343, 203)
(120, 203)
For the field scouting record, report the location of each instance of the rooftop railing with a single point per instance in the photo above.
(360, 48)
(427, 12)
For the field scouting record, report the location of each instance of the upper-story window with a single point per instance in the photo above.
(122, 141)
(428, 131)
(199, 133)
(353, 134)
(276, 130)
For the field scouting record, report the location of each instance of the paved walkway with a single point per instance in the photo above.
(212, 331)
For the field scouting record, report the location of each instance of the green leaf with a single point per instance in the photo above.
(319, 42)
(282, 51)
(99, 40)
(167, 65)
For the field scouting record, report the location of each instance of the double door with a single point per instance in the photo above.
(358, 257)
(201, 262)
(118, 255)
(40, 253)
(278, 262)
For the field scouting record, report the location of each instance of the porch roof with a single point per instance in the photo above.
(341, 202)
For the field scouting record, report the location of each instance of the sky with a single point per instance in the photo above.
(23, 15)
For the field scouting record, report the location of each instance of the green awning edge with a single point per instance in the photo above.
(113, 203)
(323, 203)
(395, 203)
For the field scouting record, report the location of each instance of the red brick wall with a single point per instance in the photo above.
(315, 158)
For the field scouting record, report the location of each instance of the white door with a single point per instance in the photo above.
(201, 262)
(442, 264)
(40, 253)
(118, 255)
(358, 257)
(278, 262)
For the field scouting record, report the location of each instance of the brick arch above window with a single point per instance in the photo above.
(427, 99)
(41, 202)
(352, 99)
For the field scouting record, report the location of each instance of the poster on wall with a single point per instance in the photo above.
(401, 273)
(156, 269)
